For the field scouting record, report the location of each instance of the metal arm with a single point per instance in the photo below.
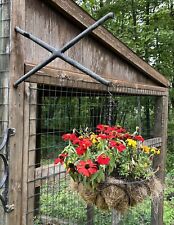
(58, 53)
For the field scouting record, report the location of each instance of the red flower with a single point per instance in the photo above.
(139, 138)
(85, 143)
(103, 159)
(76, 141)
(87, 168)
(80, 150)
(70, 137)
(127, 136)
(101, 128)
(120, 129)
(115, 144)
(61, 158)
(112, 144)
(109, 130)
(121, 147)
(103, 136)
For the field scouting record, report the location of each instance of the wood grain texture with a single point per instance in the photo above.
(16, 113)
(160, 129)
(82, 19)
(31, 104)
(67, 78)
(56, 29)
(28, 189)
(25, 156)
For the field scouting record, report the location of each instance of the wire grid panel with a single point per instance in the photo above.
(53, 111)
(4, 81)
(4, 62)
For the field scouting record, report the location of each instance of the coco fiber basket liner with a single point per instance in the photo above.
(118, 194)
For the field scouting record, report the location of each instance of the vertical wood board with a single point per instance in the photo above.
(160, 129)
(16, 113)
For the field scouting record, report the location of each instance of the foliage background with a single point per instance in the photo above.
(146, 27)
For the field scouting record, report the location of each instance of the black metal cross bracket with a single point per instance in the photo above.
(5, 170)
(58, 53)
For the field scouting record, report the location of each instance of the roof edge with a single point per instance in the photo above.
(72, 10)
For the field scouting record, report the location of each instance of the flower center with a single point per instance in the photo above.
(87, 166)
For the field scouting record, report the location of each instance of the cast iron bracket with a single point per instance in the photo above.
(58, 53)
(4, 179)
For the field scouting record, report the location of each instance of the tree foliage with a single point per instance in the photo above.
(147, 27)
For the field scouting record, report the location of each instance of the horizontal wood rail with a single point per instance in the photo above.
(156, 142)
(66, 78)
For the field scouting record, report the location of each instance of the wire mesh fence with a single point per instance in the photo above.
(55, 110)
(4, 87)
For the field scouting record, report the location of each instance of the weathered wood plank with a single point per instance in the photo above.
(156, 142)
(16, 112)
(160, 129)
(25, 157)
(58, 30)
(32, 107)
(66, 78)
(72, 11)
(28, 189)
(48, 173)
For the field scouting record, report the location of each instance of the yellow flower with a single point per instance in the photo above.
(146, 149)
(93, 138)
(158, 152)
(131, 143)
(155, 150)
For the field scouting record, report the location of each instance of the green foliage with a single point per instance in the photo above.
(61, 115)
(91, 157)
(63, 205)
(145, 26)
(66, 205)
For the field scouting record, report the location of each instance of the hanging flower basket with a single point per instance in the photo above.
(119, 194)
(110, 168)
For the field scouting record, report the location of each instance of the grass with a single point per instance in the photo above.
(58, 201)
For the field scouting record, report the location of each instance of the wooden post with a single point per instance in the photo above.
(28, 185)
(90, 215)
(38, 129)
(16, 98)
(116, 217)
(160, 129)
(31, 153)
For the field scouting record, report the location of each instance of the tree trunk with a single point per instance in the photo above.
(147, 12)
(134, 18)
